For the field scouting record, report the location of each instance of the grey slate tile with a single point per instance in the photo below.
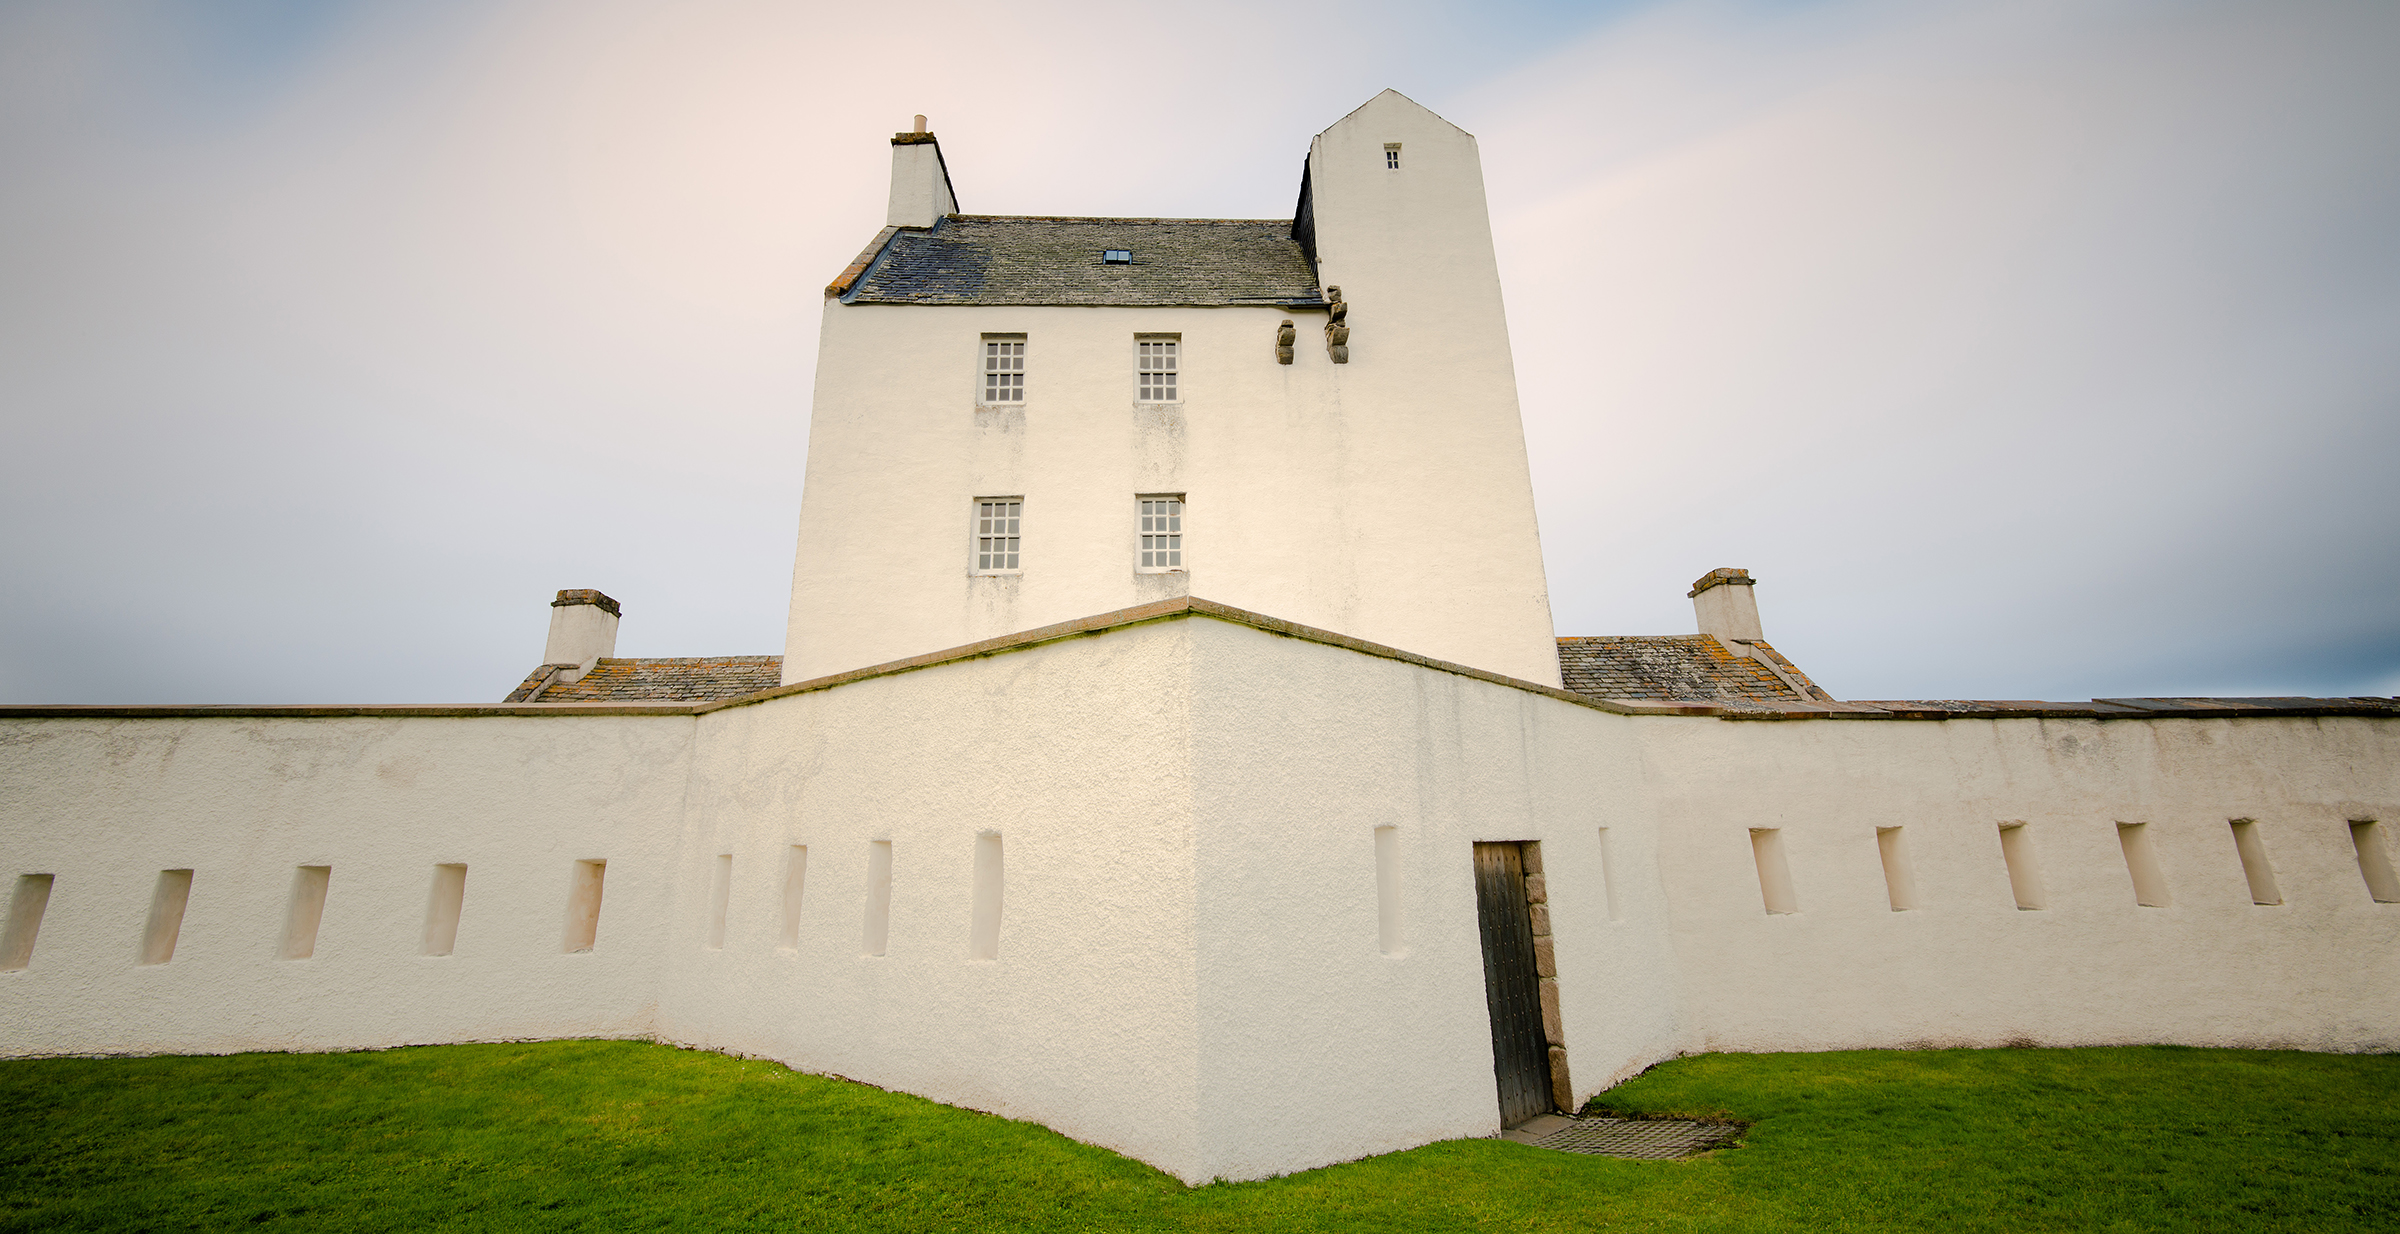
(988, 259)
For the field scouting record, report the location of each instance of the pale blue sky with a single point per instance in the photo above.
(2021, 349)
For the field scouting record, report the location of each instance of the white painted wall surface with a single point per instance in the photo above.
(1387, 498)
(1316, 1047)
(107, 804)
(1190, 968)
(1969, 967)
(899, 450)
(1459, 564)
(1078, 755)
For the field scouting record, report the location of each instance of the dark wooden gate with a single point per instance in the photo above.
(1511, 987)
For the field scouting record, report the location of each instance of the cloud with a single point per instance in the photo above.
(2021, 348)
(334, 337)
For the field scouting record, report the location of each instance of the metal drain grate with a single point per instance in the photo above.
(1649, 1139)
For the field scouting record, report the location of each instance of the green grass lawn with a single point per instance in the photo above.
(628, 1136)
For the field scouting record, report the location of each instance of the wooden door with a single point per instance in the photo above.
(1511, 988)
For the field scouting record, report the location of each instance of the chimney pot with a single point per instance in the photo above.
(920, 124)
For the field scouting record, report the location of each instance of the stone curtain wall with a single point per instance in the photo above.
(1234, 934)
(191, 858)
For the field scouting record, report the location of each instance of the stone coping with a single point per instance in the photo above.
(1181, 607)
(866, 257)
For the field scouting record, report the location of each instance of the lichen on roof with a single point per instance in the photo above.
(991, 259)
(1678, 668)
(683, 679)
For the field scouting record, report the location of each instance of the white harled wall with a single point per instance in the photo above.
(1455, 559)
(1387, 498)
(1191, 967)
(1317, 1046)
(1300, 750)
(1968, 967)
(1077, 755)
(105, 804)
(898, 451)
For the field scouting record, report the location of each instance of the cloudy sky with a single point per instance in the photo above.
(2022, 349)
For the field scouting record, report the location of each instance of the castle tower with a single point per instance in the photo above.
(1021, 421)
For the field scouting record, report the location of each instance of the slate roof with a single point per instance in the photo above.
(688, 679)
(993, 259)
(1680, 668)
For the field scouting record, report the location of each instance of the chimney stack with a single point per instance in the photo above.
(920, 182)
(583, 631)
(1726, 608)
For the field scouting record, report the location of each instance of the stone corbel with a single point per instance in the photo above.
(1285, 336)
(1337, 330)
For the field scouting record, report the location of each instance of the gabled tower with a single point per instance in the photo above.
(1023, 421)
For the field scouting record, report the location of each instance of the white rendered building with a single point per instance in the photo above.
(1172, 747)
(971, 359)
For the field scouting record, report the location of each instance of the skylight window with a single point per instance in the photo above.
(1117, 257)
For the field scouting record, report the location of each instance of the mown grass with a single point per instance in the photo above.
(630, 1136)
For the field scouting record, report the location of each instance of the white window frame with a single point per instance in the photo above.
(1144, 355)
(978, 531)
(994, 394)
(1391, 156)
(1171, 555)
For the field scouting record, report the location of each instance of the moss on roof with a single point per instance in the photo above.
(685, 679)
(987, 259)
(1678, 668)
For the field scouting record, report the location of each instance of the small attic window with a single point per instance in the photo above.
(1117, 257)
(1391, 155)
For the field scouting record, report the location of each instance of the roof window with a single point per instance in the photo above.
(1117, 257)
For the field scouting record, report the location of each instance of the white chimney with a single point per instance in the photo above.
(1729, 613)
(1726, 609)
(920, 183)
(583, 631)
